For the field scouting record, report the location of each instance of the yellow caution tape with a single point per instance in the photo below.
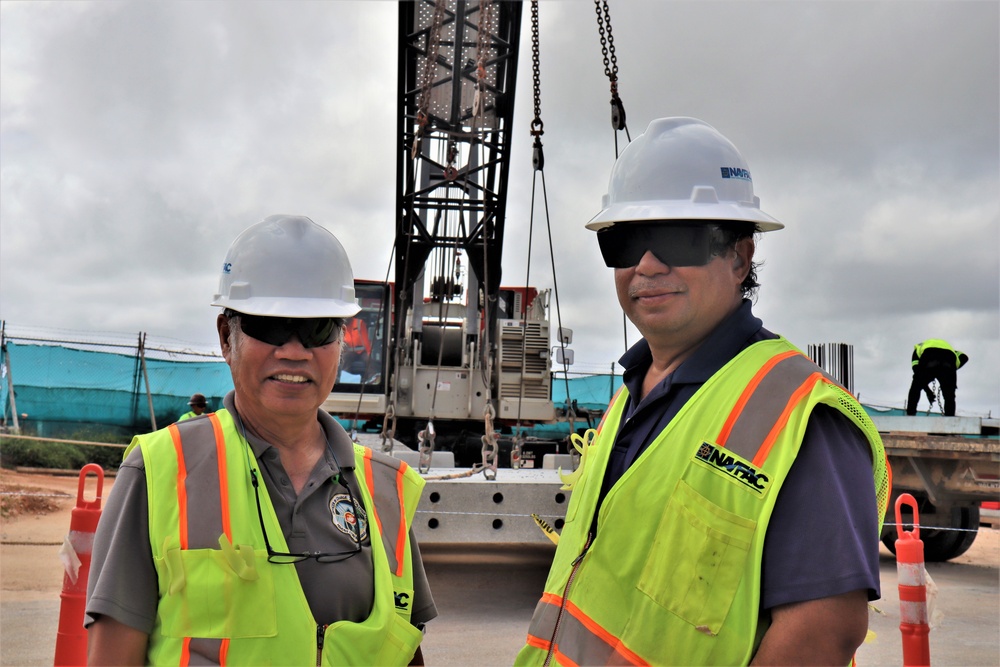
(546, 528)
(581, 445)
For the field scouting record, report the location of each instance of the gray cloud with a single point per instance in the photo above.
(137, 139)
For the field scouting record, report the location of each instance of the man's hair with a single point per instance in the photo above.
(731, 234)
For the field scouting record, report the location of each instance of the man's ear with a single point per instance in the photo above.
(222, 325)
(743, 257)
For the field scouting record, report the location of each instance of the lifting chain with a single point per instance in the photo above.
(426, 438)
(610, 62)
(933, 391)
(515, 450)
(450, 172)
(490, 449)
(537, 126)
(388, 429)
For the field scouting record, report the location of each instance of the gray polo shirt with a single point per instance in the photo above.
(123, 582)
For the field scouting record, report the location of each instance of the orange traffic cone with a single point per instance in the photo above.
(912, 589)
(71, 640)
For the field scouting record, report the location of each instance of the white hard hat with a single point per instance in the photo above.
(681, 169)
(287, 266)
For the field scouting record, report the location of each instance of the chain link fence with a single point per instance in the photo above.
(62, 384)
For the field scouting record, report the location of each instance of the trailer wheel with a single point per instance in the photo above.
(942, 545)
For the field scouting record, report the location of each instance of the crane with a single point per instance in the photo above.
(448, 358)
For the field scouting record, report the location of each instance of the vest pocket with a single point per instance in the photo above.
(402, 639)
(697, 559)
(202, 596)
(383, 639)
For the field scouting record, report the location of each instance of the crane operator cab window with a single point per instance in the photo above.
(365, 340)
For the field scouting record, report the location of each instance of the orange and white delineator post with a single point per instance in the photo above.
(913, 618)
(71, 639)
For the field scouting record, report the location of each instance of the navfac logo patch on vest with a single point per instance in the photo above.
(723, 461)
(348, 517)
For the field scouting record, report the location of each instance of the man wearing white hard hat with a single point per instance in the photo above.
(261, 534)
(729, 506)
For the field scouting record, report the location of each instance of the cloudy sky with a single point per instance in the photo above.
(138, 139)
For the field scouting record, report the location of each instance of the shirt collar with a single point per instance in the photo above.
(340, 449)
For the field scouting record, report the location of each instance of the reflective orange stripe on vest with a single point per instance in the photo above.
(393, 531)
(757, 419)
(588, 642)
(212, 515)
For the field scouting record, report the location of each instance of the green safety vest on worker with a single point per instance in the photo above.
(674, 576)
(188, 415)
(220, 598)
(932, 343)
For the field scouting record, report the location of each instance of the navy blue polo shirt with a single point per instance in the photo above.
(822, 539)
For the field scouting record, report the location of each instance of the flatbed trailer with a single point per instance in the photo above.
(950, 465)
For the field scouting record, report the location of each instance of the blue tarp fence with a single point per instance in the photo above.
(590, 392)
(61, 385)
(58, 384)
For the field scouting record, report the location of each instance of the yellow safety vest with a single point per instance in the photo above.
(934, 343)
(673, 576)
(219, 597)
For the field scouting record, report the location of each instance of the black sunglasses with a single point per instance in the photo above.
(623, 245)
(311, 331)
(285, 558)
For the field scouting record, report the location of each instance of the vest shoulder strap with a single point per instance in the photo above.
(395, 490)
(202, 481)
(766, 402)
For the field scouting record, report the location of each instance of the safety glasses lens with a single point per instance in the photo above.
(622, 246)
(315, 332)
(311, 332)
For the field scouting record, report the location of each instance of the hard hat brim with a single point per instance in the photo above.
(672, 210)
(289, 307)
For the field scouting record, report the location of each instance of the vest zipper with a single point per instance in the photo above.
(565, 596)
(320, 635)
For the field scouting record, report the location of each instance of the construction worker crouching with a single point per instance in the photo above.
(272, 538)
(935, 359)
(731, 502)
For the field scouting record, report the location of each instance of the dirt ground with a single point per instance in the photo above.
(35, 515)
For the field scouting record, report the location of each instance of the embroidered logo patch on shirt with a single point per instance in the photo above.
(345, 519)
(736, 468)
